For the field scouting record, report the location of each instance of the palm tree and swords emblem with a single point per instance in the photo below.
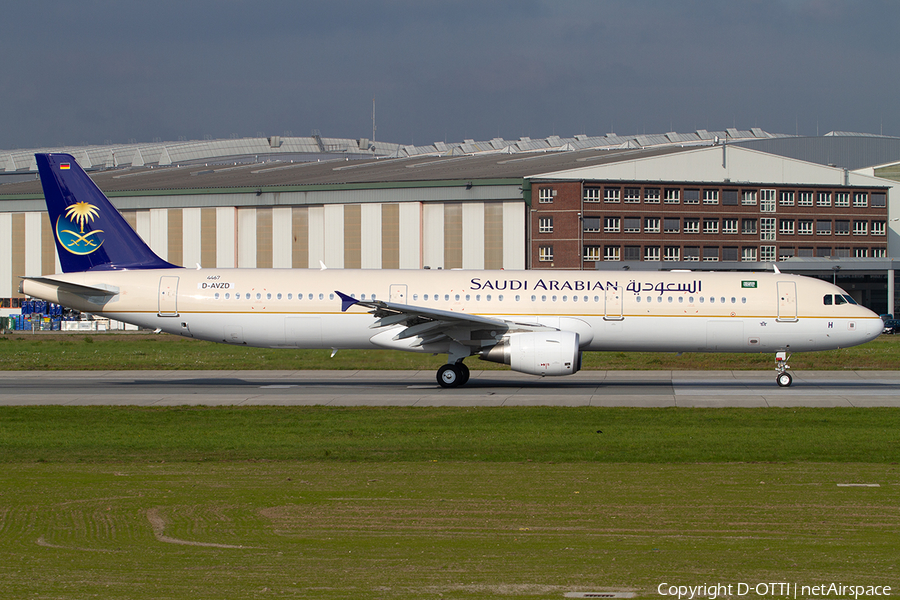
(80, 214)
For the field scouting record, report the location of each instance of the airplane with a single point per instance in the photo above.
(536, 321)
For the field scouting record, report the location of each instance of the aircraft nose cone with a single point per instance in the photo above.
(873, 328)
(869, 326)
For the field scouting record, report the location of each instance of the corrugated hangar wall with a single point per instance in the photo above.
(378, 235)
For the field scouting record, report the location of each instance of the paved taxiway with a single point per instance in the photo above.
(418, 388)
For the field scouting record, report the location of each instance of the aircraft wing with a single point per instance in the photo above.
(431, 324)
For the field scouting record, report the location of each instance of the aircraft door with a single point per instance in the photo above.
(398, 293)
(613, 304)
(168, 296)
(787, 301)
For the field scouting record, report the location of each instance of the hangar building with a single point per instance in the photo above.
(642, 202)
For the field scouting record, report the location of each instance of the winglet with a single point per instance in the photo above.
(346, 301)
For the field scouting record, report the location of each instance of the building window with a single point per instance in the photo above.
(860, 253)
(878, 228)
(730, 254)
(651, 195)
(748, 226)
(767, 253)
(786, 198)
(710, 226)
(767, 201)
(823, 227)
(730, 197)
(710, 196)
(805, 252)
(590, 224)
(842, 228)
(729, 225)
(786, 227)
(672, 253)
(767, 229)
(842, 199)
(842, 252)
(673, 196)
(671, 225)
(805, 199)
(611, 194)
(748, 197)
(651, 253)
(591, 194)
(692, 196)
(805, 227)
(823, 252)
(632, 224)
(545, 253)
(651, 225)
(691, 225)
(692, 253)
(545, 225)
(860, 199)
(860, 227)
(748, 254)
(879, 199)
(632, 253)
(879, 252)
(592, 253)
(611, 253)
(632, 195)
(710, 254)
(545, 195)
(823, 199)
(785, 253)
(611, 224)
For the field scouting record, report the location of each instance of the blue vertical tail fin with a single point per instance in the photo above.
(90, 234)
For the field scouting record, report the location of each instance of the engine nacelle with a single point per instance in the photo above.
(538, 353)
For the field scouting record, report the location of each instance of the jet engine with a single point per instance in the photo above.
(538, 353)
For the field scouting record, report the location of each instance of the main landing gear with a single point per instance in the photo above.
(453, 375)
(783, 378)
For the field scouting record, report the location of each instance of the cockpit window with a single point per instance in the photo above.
(838, 299)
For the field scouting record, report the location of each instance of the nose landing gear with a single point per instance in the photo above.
(783, 378)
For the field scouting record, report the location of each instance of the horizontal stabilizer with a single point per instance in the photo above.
(75, 288)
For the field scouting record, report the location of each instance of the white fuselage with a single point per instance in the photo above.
(610, 310)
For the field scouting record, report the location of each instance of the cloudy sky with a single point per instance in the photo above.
(107, 71)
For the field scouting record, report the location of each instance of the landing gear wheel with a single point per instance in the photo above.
(450, 376)
(464, 374)
(783, 378)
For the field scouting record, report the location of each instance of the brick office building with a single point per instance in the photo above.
(713, 204)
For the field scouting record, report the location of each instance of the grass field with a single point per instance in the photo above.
(301, 502)
(24, 351)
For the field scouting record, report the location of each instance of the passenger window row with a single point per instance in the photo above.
(701, 299)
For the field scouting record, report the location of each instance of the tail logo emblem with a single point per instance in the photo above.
(70, 229)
